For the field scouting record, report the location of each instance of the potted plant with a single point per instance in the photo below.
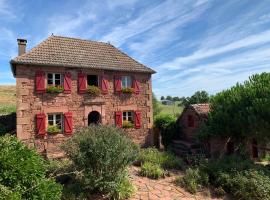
(93, 90)
(127, 124)
(127, 90)
(54, 89)
(53, 129)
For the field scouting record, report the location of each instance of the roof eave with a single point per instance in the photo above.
(13, 64)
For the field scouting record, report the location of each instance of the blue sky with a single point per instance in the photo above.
(192, 44)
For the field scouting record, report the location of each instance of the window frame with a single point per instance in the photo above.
(126, 117)
(53, 79)
(124, 81)
(54, 120)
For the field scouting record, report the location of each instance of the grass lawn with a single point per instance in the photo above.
(171, 109)
(7, 99)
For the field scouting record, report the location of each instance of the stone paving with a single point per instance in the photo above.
(162, 189)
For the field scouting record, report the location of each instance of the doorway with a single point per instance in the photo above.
(94, 118)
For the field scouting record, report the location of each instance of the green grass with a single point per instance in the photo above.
(171, 109)
(7, 109)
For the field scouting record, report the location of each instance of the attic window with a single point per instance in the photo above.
(92, 80)
(53, 79)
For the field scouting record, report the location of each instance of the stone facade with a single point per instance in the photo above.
(190, 122)
(29, 104)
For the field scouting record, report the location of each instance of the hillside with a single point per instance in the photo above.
(171, 109)
(7, 99)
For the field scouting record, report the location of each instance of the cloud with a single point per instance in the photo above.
(6, 10)
(147, 20)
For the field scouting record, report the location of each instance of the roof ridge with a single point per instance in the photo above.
(73, 38)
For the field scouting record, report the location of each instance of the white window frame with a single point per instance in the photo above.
(53, 78)
(54, 120)
(125, 82)
(128, 116)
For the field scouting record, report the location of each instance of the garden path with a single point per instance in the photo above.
(162, 189)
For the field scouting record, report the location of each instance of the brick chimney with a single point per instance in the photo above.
(21, 46)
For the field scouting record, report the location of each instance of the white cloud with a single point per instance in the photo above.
(6, 11)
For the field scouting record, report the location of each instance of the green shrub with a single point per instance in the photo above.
(102, 153)
(168, 128)
(250, 185)
(93, 90)
(23, 171)
(127, 90)
(193, 180)
(240, 177)
(53, 129)
(7, 109)
(164, 159)
(124, 189)
(127, 124)
(54, 89)
(151, 170)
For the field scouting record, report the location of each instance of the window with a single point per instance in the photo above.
(55, 120)
(126, 82)
(92, 80)
(128, 116)
(54, 79)
(190, 121)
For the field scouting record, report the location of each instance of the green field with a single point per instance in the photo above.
(174, 110)
(7, 99)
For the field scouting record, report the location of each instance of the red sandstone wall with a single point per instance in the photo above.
(29, 104)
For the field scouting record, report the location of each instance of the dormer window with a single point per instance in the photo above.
(54, 79)
(126, 82)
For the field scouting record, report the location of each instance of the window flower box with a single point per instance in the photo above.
(127, 124)
(127, 90)
(54, 89)
(53, 130)
(93, 90)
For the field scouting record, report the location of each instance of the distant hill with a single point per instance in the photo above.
(7, 99)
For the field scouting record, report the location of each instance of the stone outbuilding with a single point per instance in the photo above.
(64, 83)
(191, 120)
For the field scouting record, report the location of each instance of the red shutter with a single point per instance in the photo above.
(41, 124)
(67, 83)
(81, 82)
(104, 84)
(136, 86)
(117, 83)
(138, 119)
(68, 123)
(40, 82)
(191, 121)
(118, 118)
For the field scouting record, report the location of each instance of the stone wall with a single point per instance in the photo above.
(189, 132)
(29, 104)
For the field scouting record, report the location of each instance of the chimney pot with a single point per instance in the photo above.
(21, 46)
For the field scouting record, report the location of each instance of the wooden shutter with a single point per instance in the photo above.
(138, 119)
(67, 83)
(191, 122)
(118, 118)
(104, 84)
(68, 123)
(136, 86)
(41, 124)
(81, 82)
(117, 83)
(40, 82)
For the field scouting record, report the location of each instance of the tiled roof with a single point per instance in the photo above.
(202, 108)
(72, 52)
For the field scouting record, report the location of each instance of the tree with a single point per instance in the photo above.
(162, 98)
(176, 99)
(197, 97)
(243, 111)
(169, 98)
(156, 107)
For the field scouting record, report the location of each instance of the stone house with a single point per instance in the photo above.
(193, 118)
(54, 98)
